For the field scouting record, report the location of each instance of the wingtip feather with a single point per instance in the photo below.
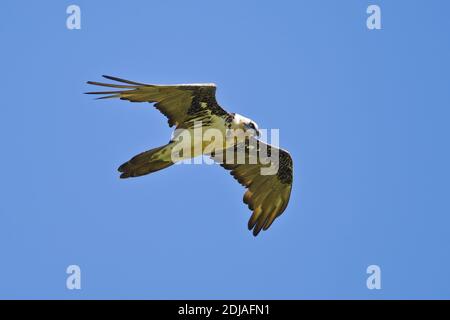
(122, 80)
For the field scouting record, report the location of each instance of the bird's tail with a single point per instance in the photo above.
(147, 162)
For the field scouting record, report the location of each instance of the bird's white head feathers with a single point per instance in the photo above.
(245, 123)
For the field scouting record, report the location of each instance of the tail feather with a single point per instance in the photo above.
(147, 162)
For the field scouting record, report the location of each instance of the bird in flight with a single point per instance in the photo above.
(188, 105)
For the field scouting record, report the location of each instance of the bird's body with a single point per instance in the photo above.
(194, 111)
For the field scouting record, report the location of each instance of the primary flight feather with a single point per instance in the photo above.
(186, 106)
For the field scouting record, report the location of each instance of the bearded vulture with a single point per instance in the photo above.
(185, 106)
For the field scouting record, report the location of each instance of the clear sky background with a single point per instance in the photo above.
(365, 115)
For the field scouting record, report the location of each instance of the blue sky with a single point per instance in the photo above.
(364, 114)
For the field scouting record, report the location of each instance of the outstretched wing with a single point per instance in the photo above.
(267, 195)
(179, 103)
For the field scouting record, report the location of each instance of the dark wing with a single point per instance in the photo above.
(267, 195)
(179, 103)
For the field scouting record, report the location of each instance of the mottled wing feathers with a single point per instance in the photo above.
(266, 195)
(177, 102)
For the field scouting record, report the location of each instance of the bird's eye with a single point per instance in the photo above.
(252, 125)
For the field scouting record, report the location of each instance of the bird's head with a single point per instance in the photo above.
(247, 125)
